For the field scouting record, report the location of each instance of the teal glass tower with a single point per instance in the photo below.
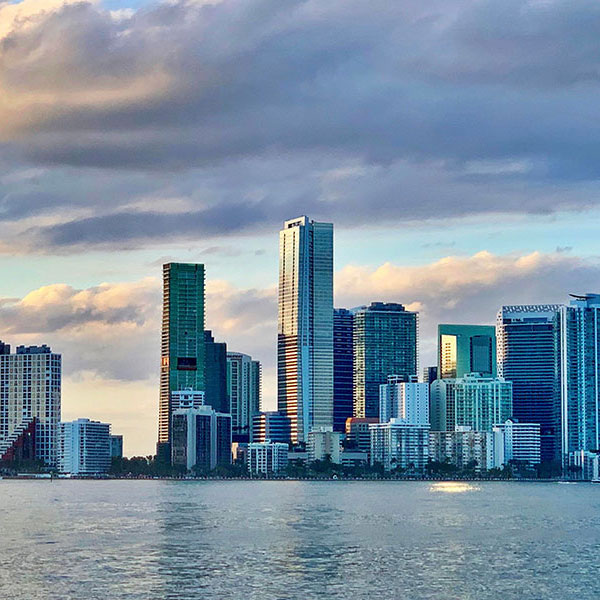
(183, 345)
(464, 349)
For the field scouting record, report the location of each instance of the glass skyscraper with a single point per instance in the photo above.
(243, 388)
(527, 356)
(385, 343)
(578, 370)
(305, 326)
(466, 349)
(343, 362)
(182, 345)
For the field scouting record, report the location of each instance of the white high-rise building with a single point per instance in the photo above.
(267, 457)
(84, 447)
(305, 326)
(243, 389)
(514, 441)
(399, 444)
(30, 389)
(323, 442)
(463, 448)
(404, 400)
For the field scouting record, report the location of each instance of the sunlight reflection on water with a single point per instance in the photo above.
(454, 487)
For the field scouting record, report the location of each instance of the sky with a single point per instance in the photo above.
(454, 145)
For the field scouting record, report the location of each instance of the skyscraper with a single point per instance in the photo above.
(578, 371)
(343, 361)
(407, 401)
(466, 349)
(30, 392)
(305, 326)
(385, 343)
(215, 373)
(243, 388)
(527, 357)
(182, 346)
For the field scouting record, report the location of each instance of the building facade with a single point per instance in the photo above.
(466, 349)
(244, 389)
(201, 439)
(430, 374)
(324, 442)
(578, 372)
(267, 457)
(215, 374)
(527, 356)
(116, 446)
(305, 326)
(463, 448)
(343, 367)
(385, 343)
(30, 389)
(358, 434)
(396, 444)
(405, 400)
(182, 340)
(514, 441)
(271, 425)
(84, 447)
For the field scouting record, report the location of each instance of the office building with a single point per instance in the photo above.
(323, 443)
(385, 343)
(463, 448)
(466, 349)
(343, 361)
(267, 457)
(397, 444)
(472, 401)
(116, 446)
(517, 442)
(430, 374)
(30, 390)
(358, 435)
(527, 357)
(215, 374)
(182, 341)
(84, 447)
(201, 439)
(305, 326)
(578, 371)
(187, 398)
(404, 400)
(243, 388)
(272, 426)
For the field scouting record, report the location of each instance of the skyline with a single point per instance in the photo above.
(453, 218)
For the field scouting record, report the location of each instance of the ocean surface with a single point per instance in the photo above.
(298, 540)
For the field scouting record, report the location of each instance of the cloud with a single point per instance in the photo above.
(393, 112)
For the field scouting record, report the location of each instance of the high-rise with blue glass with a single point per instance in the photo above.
(305, 326)
(343, 361)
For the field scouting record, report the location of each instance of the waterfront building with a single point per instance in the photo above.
(385, 343)
(518, 442)
(20, 444)
(116, 446)
(305, 326)
(354, 458)
(430, 374)
(578, 371)
(267, 457)
(472, 401)
(270, 425)
(182, 341)
(84, 447)
(243, 388)
(358, 435)
(466, 349)
(324, 442)
(343, 361)
(527, 356)
(405, 400)
(397, 444)
(201, 438)
(30, 391)
(215, 374)
(463, 448)
(584, 465)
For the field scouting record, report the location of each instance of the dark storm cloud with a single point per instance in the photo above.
(254, 111)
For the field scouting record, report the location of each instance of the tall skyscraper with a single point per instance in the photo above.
(343, 361)
(243, 387)
(527, 357)
(30, 391)
(215, 373)
(578, 371)
(466, 349)
(385, 343)
(182, 346)
(305, 326)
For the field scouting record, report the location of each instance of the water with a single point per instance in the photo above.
(291, 540)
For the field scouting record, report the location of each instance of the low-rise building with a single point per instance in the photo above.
(267, 457)
(517, 442)
(358, 436)
(398, 444)
(354, 458)
(84, 447)
(463, 448)
(324, 442)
